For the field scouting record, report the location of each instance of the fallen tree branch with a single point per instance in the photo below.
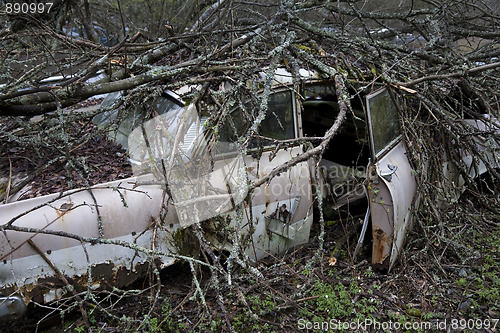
(471, 71)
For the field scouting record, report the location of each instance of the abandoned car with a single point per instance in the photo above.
(186, 174)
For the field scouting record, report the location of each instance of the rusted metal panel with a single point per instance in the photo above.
(395, 186)
(382, 215)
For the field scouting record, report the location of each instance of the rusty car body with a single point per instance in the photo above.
(108, 234)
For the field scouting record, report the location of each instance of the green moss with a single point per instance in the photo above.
(185, 242)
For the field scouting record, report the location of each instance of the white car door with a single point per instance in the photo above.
(279, 214)
(391, 185)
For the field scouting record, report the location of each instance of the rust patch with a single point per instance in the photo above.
(105, 276)
(64, 209)
(382, 267)
(381, 247)
(380, 201)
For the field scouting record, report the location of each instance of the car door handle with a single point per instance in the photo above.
(388, 174)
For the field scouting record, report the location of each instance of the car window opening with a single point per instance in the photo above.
(349, 147)
(344, 162)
